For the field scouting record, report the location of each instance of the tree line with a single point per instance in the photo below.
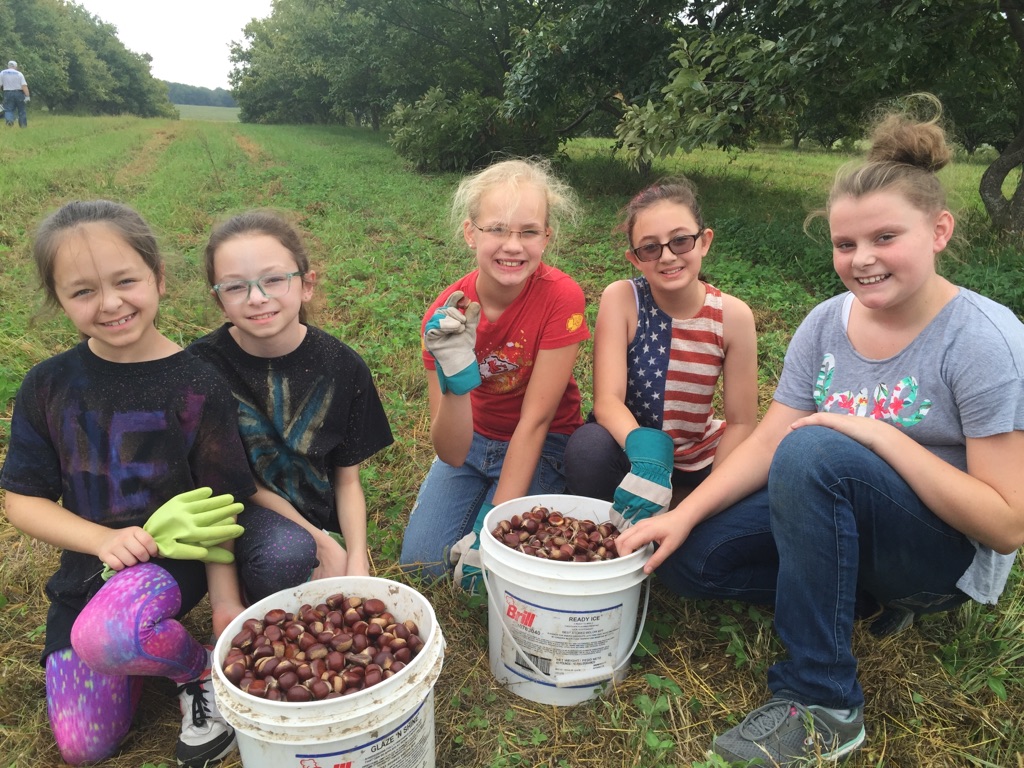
(455, 81)
(74, 62)
(197, 95)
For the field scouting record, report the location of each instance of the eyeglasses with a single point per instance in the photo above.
(503, 233)
(679, 245)
(271, 286)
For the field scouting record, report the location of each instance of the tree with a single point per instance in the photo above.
(763, 62)
(75, 63)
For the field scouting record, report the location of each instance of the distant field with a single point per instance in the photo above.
(220, 114)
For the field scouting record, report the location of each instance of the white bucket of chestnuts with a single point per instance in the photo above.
(563, 608)
(338, 670)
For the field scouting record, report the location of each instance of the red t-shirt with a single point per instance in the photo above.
(548, 314)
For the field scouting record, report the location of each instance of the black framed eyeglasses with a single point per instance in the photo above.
(679, 245)
(271, 286)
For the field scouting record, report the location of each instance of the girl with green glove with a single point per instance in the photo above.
(101, 437)
(663, 341)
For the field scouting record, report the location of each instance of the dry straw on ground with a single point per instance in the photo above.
(708, 670)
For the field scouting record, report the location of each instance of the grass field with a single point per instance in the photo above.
(217, 114)
(946, 693)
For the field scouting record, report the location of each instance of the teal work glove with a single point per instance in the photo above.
(450, 336)
(191, 525)
(647, 489)
(466, 553)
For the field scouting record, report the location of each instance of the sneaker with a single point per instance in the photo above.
(786, 733)
(205, 736)
(891, 621)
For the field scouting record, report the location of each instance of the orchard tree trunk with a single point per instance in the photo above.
(1007, 214)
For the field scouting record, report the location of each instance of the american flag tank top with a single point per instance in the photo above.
(673, 367)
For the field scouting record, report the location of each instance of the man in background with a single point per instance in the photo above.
(15, 94)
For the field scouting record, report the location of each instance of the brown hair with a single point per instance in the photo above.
(125, 221)
(676, 189)
(906, 153)
(258, 222)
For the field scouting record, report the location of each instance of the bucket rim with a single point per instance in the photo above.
(327, 587)
(568, 570)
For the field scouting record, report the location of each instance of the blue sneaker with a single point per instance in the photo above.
(786, 733)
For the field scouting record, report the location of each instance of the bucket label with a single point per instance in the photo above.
(557, 641)
(410, 745)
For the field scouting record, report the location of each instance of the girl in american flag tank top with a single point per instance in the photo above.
(663, 342)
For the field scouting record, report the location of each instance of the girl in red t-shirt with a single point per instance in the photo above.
(499, 346)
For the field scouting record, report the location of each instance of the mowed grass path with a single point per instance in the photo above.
(946, 693)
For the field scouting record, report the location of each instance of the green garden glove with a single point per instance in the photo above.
(466, 553)
(647, 489)
(191, 525)
(450, 336)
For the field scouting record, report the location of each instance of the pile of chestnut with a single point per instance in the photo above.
(339, 647)
(546, 533)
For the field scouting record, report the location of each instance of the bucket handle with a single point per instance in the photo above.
(575, 680)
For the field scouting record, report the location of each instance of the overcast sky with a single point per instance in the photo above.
(189, 40)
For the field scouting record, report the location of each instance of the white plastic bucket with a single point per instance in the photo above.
(390, 725)
(560, 632)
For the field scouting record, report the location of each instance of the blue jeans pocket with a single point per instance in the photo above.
(550, 475)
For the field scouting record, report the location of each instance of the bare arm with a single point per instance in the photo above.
(225, 594)
(616, 324)
(986, 502)
(550, 377)
(739, 375)
(351, 505)
(451, 422)
(744, 471)
(48, 521)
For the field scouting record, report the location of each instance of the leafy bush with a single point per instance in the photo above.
(441, 134)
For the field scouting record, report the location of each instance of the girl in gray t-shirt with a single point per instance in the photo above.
(885, 473)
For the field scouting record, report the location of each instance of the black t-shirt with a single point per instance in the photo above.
(114, 441)
(302, 415)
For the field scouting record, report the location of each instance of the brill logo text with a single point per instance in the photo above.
(523, 617)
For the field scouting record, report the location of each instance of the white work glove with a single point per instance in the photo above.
(450, 336)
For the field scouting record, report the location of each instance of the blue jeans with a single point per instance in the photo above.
(450, 499)
(837, 521)
(14, 101)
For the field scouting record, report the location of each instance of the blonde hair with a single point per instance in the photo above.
(562, 205)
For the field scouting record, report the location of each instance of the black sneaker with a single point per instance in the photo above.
(205, 736)
(786, 733)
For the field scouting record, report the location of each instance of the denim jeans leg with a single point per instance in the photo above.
(445, 509)
(9, 107)
(729, 556)
(841, 516)
(450, 499)
(549, 477)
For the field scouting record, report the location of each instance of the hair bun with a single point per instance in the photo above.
(900, 138)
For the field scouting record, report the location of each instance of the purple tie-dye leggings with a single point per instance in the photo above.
(127, 631)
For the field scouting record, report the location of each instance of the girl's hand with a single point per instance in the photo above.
(667, 530)
(125, 547)
(867, 432)
(332, 556)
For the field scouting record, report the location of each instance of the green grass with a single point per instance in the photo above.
(216, 114)
(946, 693)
